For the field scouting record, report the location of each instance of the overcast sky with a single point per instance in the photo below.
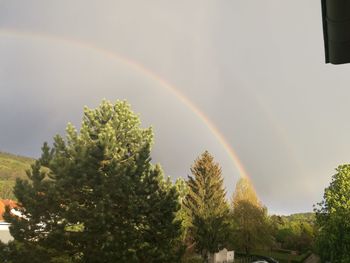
(254, 67)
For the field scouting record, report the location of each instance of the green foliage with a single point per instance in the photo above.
(22, 252)
(301, 217)
(206, 205)
(282, 257)
(182, 216)
(251, 226)
(4, 252)
(11, 167)
(245, 192)
(193, 259)
(294, 232)
(6, 189)
(100, 199)
(249, 220)
(333, 218)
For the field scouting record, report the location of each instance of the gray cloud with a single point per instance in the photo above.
(254, 67)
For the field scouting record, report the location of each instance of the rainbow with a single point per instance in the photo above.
(140, 68)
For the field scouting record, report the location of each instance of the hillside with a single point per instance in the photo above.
(301, 217)
(11, 167)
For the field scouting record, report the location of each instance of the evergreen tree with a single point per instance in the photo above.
(206, 205)
(182, 215)
(333, 218)
(95, 196)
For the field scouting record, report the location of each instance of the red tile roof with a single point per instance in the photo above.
(3, 204)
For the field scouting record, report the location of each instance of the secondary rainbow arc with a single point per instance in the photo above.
(152, 75)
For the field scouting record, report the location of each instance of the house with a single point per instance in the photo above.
(223, 256)
(3, 203)
(5, 235)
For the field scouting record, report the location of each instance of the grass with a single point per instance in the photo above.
(240, 258)
(6, 189)
(11, 167)
(282, 257)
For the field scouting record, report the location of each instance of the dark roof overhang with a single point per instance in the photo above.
(336, 30)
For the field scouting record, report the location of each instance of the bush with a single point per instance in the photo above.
(193, 259)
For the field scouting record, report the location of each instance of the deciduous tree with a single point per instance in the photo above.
(333, 218)
(245, 191)
(252, 229)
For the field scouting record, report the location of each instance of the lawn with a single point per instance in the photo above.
(283, 257)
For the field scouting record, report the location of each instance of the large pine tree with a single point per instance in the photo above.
(206, 205)
(95, 196)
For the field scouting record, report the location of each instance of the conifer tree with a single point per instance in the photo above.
(206, 205)
(182, 215)
(96, 197)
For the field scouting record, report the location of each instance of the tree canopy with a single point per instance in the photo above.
(206, 205)
(333, 218)
(252, 229)
(245, 191)
(295, 232)
(250, 219)
(99, 198)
